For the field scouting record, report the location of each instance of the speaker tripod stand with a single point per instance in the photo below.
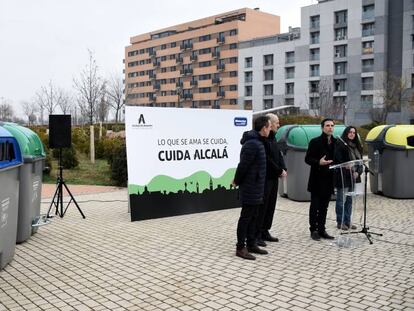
(57, 200)
(365, 229)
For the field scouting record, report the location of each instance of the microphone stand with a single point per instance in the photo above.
(365, 229)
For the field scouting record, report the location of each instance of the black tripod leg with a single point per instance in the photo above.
(53, 202)
(74, 201)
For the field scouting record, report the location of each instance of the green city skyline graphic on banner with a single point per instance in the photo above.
(196, 182)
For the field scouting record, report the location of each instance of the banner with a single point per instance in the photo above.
(182, 161)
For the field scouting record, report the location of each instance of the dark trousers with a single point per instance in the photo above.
(246, 226)
(317, 211)
(265, 214)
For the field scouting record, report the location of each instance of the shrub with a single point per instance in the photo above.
(118, 163)
(69, 157)
(105, 146)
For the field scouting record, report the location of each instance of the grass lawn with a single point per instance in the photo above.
(85, 174)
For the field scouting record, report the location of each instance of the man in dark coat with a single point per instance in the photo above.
(250, 177)
(275, 168)
(321, 186)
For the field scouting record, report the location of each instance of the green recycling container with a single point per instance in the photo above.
(10, 161)
(31, 173)
(293, 140)
(391, 151)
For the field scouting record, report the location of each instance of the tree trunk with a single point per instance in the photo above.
(92, 149)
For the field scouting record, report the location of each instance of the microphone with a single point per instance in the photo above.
(340, 138)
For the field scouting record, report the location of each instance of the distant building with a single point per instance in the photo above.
(338, 62)
(194, 64)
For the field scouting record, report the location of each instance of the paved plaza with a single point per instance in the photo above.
(106, 262)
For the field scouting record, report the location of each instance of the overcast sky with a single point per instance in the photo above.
(42, 40)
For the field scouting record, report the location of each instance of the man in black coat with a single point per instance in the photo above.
(250, 177)
(275, 168)
(321, 186)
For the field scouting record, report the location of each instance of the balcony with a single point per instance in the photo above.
(179, 60)
(314, 73)
(151, 53)
(221, 93)
(216, 80)
(186, 72)
(193, 83)
(186, 46)
(156, 64)
(221, 40)
(367, 86)
(368, 15)
(187, 96)
(179, 85)
(367, 50)
(157, 86)
(215, 54)
(369, 68)
(289, 60)
(193, 58)
(152, 76)
(314, 25)
(368, 32)
(221, 66)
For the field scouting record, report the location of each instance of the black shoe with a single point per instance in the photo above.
(268, 237)
(243, 253)
(261, 243)
(325, 235)
(256, 250)
(315, 236)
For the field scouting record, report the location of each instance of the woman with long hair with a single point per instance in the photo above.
(348, 148)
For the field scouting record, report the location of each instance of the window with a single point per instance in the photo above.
(204, 90)
(268, 74)
(341, 17)
(367, 65)
(163, 47)
(248, 62)
(341, 33)
(340, 85)
(204, 51)
(247, 105)
(248, 76)
(233, 46)
(204, 64)
(233, 32)
(313, 86)
(216, 104)
(367, 101)
(173, 44)
(314, 37)
(268, 89)
(163, 58)
(314, 21)
(267, 103)
(368, 47)
(233, 87)
(314, 103)
(233, 101)
(204, 38)
(289, 101)
(368, 11)
(368, 29)
(340, 51)
(314, 70)
(233, 73)
(289, 57)
(164, 69)
(204, 77)
(248, 90)
(172, 56)
(289, 72)
(367, 83)
(289, 88)
(268, 60)
(314, 54)
(233, 60)
(340, 68)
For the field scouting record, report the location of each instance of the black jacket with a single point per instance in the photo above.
(251, 171)
(341, 155)
(320, 177)
(275, 163)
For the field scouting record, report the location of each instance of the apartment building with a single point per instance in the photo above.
(194, 64)
(337, 63)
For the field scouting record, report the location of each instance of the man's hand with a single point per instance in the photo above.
(356, 175)
(284, 174)
(324, 162)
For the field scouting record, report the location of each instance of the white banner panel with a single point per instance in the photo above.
(175, 150)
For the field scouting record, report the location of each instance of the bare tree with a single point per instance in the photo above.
(46, 99)
(392, 93)
(115, 92)
(29, 110)
(63, 100)
(90, 88)
(6, 110)
(102, 109)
